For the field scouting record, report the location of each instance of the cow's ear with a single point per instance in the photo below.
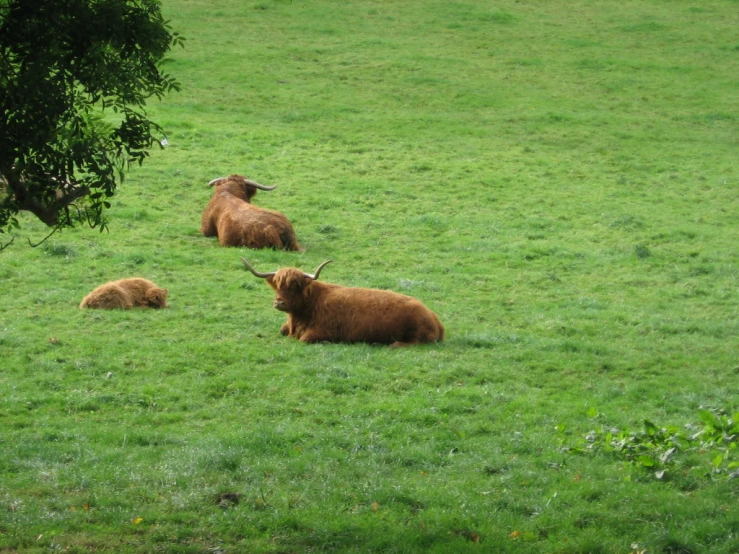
(249, 192)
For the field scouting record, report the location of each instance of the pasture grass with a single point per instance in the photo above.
(559, 184)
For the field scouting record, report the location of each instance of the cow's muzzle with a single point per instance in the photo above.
(280, 305)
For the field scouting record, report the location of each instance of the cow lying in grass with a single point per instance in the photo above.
(236, 222)
(323, 312)
(125, 294)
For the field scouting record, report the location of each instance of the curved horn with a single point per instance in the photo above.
(318, 271)
(260, 187)
(213, 182)
(257, 273)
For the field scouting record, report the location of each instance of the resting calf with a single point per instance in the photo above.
(125, 294)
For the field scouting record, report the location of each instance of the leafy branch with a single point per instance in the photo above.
(60, 159)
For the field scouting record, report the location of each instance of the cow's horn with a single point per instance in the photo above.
(257, 273)
(260, 187)
(247, 181)
(318, 271)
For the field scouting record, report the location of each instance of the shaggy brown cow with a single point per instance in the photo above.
(323, 312)
(125, 294)
(236, 222)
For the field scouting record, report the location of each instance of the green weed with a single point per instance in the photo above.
(660, 449)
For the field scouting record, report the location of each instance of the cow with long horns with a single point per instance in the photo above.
(236, 222)
(324, 312)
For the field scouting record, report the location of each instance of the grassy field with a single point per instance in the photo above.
(559, 182)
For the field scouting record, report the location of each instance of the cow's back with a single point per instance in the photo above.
(375, 316)
(238, 223)
(108, 296)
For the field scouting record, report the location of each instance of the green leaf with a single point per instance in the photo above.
(710, 419)
(646, 461)
(650, 428)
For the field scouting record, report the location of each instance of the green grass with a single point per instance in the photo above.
(558, 184)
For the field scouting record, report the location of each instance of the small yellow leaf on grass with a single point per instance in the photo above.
(137, 520)
(467, 534)
(515, 535)
(86, 507)
(375, 506)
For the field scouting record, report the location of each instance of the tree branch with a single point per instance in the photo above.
(44, 239)
(47, 213)
(4, 246)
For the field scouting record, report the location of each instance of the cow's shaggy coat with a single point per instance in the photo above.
(125, 294)
(324, 312)
(236, 222)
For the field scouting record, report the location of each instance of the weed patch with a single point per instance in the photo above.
(662, 449)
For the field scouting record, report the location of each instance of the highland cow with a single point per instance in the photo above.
(236, 222)
(324, 312)
(125, 294)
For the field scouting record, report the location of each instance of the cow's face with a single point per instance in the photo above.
(289, 285)
(157, 298)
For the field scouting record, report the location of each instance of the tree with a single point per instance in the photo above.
(75, 76)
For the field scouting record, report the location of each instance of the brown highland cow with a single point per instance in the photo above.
(323, 312)
(236, 222)
(125, 294)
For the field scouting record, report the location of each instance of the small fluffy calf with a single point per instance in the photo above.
(125, 294)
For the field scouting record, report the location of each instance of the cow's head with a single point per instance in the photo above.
(157, 298)
(239, 186)
(290, 286)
